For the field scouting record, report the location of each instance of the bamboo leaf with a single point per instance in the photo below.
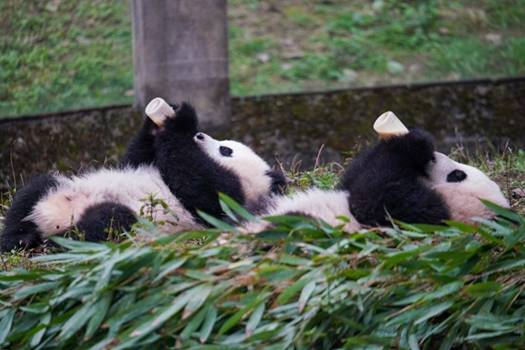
(292, 290)
(80, 246)
(170, 267)
(413, 342)
(506, 265)
(100, 310)
(230, 203)
(37, 338)
(35, 289)
(229, 213)
(236, 317)
(194, 323)
(398, 257)
(199, 275)
(162, 316)
(294, 260)
(434, 311)
(483, 289)
(20, 276)
(76, 321)
(503, 212)
(305, 294)
(199, 296)
(216, 222)
(443, 291)
(209, 323)
(5, 325)
(255, 318)
(486, 335)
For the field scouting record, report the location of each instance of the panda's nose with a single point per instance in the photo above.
(199, 136)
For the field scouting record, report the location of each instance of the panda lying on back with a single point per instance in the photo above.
(173, 162)
(401, 177)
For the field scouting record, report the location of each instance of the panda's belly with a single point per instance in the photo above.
(141, 189)
(328, 206)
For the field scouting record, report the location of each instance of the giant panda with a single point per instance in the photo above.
(171, 162)
(401, 178)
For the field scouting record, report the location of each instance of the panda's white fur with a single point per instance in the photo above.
(327, 205)
(64, 205)
(462, 198)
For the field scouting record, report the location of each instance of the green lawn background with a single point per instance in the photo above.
(65, 54)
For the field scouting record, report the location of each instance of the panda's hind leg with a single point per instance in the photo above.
(19, 232)
(99, 220)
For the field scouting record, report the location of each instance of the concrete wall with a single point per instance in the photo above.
(179, 53)
(289, 125)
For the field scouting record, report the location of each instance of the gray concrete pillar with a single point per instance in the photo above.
(180, 51)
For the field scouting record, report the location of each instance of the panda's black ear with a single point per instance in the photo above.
(279, 181)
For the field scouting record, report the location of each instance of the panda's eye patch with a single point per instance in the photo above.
(225, 151)
(456, 176)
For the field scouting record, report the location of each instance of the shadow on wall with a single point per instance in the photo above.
(288, 126)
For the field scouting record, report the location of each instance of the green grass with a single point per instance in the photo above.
(332, 44)
(59, 55)
(64, 54)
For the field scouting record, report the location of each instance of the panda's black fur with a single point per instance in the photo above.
(193, 177)
(387, 179)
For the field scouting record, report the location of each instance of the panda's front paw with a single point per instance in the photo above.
(184, 120)
(421, 138)
(419, 145)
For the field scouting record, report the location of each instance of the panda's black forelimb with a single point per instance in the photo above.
(19, 232)
(141, 149)
(185, 120)
(189, 172)
(386, 180)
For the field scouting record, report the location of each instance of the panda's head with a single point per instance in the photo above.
(462, 186)
(255, 175)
